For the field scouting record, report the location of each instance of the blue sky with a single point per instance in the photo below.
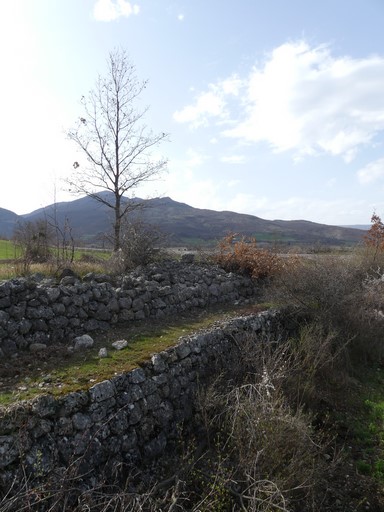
(274, 108)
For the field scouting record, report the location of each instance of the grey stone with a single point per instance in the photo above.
(44, 406)
(53, 294)
(84, 341)
(37, 347)
(81, 421)
(8, 450)
(158, 363)
(103, 353)
(4, 317)
(188, 258)
(120, 344)
(137, 376)
(73, 402)
(135, 413)
(102, 391)
(183, 350)
(92, 325)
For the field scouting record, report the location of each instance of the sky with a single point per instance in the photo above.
(273, 108)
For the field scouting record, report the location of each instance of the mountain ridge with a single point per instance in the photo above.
(185, 224)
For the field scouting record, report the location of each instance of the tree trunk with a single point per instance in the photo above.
(117, 225)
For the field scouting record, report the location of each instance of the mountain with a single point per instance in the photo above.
(365, 227)
(186, 225)
(8, 221)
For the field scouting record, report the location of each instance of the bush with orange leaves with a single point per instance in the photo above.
(242, 255)
(374, 239)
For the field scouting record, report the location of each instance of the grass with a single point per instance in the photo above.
(85, 260)
(368, 427)
(63, 372)
(8, 250)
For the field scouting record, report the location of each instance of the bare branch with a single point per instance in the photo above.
(117, 145)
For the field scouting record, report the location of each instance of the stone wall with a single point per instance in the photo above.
(36, 310)
(132, 416)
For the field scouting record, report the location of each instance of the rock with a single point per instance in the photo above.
(68, 280)
(8, 450)
(103, 352)
(44, 406)
(37, 347)
(188, 258)
(67, 272)
(120, 344)
(137, 376)
(102, 391)
(158, 363)
(84, 341)
(183, 350)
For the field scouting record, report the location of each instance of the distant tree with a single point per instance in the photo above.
(140, 243)
(34, 239)
(375, 235)
(117, 145)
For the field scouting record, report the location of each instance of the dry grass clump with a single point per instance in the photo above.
(267, 454)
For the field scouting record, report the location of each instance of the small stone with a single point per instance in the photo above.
(37, 347)
(120, 344)
(84, 341)
(103, 352)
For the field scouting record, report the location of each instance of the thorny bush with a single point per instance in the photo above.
(242, 255)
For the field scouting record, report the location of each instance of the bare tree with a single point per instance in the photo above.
(34, 239)
(117, 144)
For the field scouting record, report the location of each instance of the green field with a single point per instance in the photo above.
(8, 251)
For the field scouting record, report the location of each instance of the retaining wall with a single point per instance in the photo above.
(36, 310)
(132, 416)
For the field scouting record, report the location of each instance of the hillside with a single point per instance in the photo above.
(8, 221)
(91, 220)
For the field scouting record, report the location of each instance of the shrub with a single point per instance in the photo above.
(243, 256)
(375, 235)
(273, 455)
(341, 294)
(34, 239)
(140, 244)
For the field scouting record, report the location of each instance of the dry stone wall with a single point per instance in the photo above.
(41, 311)
(121, 421)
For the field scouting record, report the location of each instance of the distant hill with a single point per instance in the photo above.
(186, 225)
(8, 220)
(365, 227)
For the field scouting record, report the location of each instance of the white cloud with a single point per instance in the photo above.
(180, 17)
(211, 104)
(371, 172)
(306, 100)
(208, 104)
(231, 85)
(300, 98)
(109, 10)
